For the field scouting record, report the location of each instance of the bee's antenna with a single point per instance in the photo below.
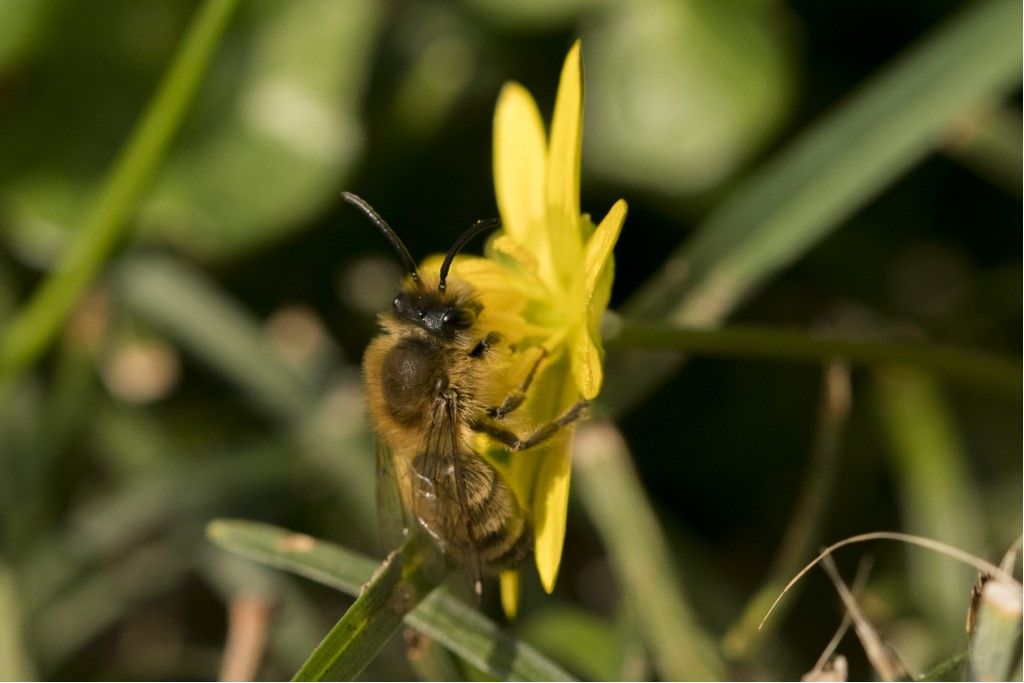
(474, 230)
(391, 235)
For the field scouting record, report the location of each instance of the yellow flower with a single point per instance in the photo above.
(546, 280)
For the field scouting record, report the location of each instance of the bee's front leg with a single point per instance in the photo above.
(513, 441)
(517, 396)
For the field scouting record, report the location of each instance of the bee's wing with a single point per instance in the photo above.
(440, 492)
(393, 516)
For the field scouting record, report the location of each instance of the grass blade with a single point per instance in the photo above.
(990, 144)
(823, 177)
(744, 638)
(590, 644)
(202, 318)
(938, 493)
(396, 587)
(35, 326)
(996, 641)
(458, 627)
(994, 624)
(15, 662)
(947, 670)
(102, 529)
(103, 598)
(430, 660)
(616, 502)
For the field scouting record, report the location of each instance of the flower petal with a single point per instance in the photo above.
(509, 582)
(519, 161)
(586, 364)
(563, 179)
(550, 507)
(599, 247)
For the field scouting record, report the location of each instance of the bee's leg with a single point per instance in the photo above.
(485, 344)
(516, 398)
(517, 443)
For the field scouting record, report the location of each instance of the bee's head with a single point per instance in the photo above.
(440, 312)
(437, 310)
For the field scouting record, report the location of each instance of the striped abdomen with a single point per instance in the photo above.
(474, 513)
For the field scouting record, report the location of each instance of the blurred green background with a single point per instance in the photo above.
(849, 167)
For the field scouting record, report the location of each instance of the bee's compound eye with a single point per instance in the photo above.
(420, 313)
(397, 303)
(447, 317)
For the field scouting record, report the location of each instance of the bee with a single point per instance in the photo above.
(430, 391)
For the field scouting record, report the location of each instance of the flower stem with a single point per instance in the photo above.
(981, 368)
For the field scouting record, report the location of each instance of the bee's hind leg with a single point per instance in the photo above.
(517, 443)
(517, 396)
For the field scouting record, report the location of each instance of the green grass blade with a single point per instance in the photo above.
(100, 530)
(396, 587)
(824, 176)
(101, 599)
(15, 661)
(590, 644)
(990, 145)
(195, 313)
(747, 636)
(458, 627)
(978, 368)
(996, 640)
(431, 661)
(614, 497)
(947, 670)
(35, 326)
(938, 493)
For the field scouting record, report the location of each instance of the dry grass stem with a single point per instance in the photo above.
(834, 670)
(825, 661)
(1009, 562)
(249, 619)
(881, 656)
(937, 546)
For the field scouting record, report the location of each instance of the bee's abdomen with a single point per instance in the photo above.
(500, 533)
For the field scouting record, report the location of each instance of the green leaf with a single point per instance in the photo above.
(23, 24)
(273, 140)
(441, 616)
(824, 176)
(274, 131)
(530, 15)
(710, 85)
